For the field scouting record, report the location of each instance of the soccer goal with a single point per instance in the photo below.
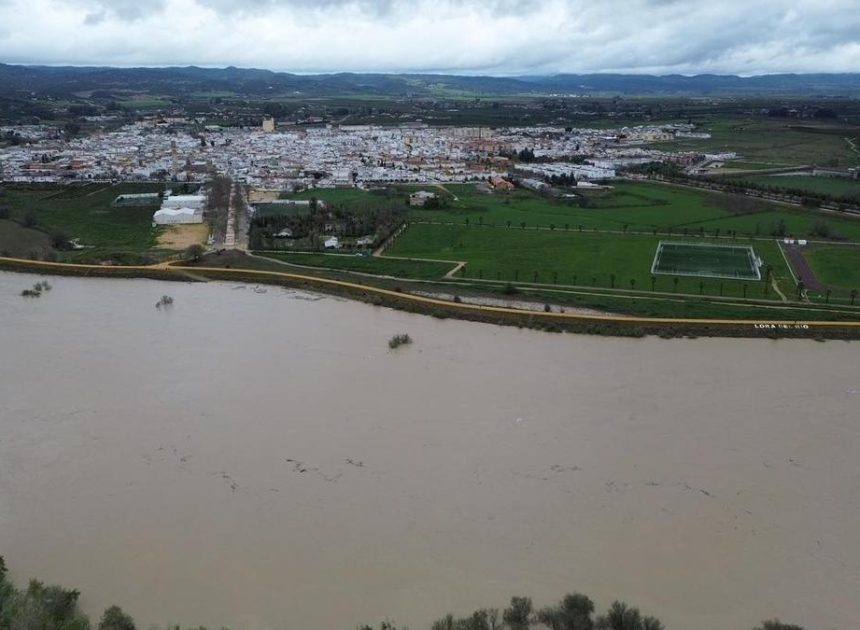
(707, 260)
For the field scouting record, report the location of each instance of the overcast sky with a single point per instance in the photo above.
(458, 36)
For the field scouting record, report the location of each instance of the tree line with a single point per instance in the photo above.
(574, 612)
(44, 607)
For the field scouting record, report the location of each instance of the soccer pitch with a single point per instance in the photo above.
(706, 260)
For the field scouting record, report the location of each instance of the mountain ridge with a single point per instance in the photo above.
(182, 80)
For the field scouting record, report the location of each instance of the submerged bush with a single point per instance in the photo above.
(37, 289)
(165, 300)
(399, 340)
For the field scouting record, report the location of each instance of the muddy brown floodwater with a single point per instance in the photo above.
(260, 459)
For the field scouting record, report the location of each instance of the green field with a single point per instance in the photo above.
(836, 266)
(280, 210)
(775, 142)
(705, 260)
(835, 186)
(414, 269)
(144, 102)
(18, 241)
(588, 259)
(630, 206)
(86, 213)
(636, 207)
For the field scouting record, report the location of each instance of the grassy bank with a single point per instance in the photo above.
(85, 212)
(573, 258)
(412, 269)
(398, 297)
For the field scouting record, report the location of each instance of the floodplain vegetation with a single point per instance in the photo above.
(49, 607)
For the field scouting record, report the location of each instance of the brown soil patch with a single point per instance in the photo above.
(258, 195)
(181, 236)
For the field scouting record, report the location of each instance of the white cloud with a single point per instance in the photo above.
(481, 36)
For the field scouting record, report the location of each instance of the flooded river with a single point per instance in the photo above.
(261, 459)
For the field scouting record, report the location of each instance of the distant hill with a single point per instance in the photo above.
(185, 81)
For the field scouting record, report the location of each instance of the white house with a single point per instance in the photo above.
(331, 243)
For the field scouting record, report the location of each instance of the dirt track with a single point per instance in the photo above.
(802, 269)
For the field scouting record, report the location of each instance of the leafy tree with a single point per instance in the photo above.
(115, 619)
(484, 619)
(821, 229)
(573, 613)
(518, 614)
(620, 616)
(59, 240)
(194, 252)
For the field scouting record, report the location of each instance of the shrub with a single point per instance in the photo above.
(59, 240)
(194, 252)
(399, 340)
(37, 289)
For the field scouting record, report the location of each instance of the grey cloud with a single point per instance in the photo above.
(488, 36)
(129, 10)
(371, 7)
(94, 19)
(257, 6)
